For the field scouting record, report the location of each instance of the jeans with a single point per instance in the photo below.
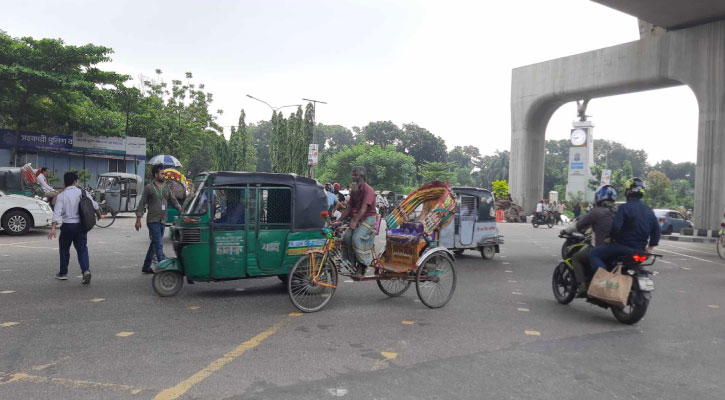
(600, 255)
(73, 234)
(156, 234)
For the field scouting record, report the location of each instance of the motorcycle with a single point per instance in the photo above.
(570, 240)
(565, 285)
(545, 218)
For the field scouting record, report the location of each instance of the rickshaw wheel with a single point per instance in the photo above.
(435, 280)
(167, 283)
(307, 294)
(108, 216)
(488, 252)
(393, 288)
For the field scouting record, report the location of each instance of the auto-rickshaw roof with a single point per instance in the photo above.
(222, 178)
(473, 191)
(121, 175)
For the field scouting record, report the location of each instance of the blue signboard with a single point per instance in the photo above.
(576, 165)
(36, 141)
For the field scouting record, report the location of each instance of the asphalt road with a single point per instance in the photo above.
(503, 336)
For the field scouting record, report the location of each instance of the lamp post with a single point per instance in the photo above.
(314, 115)
(270, 106)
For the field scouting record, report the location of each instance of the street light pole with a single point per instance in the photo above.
(270, 106)
(314, 115)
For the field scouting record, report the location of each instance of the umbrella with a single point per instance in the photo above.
(165, 160)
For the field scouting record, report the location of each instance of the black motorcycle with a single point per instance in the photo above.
(570, 240)
(545, 218)
(565, 285)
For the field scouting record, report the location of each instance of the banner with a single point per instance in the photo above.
(133, 147)
(312, 155)
(606, 176)
(136, 146)
(83, 142)
(35, 141)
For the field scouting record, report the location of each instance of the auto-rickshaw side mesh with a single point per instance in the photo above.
(275, 206)
(229, 206)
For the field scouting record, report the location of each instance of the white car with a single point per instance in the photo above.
(20, 213)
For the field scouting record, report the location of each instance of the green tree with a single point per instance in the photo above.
(437, 171)
(242, 155)
(422, 145)
(491, 168)
(464, 157)
(387, 168)
(381, 133)
(261, 133)
(658, 187)
(500, 189)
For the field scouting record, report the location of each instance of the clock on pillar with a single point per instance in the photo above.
(581, 158)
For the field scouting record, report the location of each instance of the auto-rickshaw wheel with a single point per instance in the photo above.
(458, 252)
(311, 285)
(167, 283)
(435, 280)
(488, 252)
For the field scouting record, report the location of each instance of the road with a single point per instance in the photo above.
(502, 336)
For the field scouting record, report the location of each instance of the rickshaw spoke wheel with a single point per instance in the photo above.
(435, 280)
(108, 216)
(167, 283)
(311, 285)
(393, 287)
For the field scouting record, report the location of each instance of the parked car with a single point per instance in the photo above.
(20, 213)
(671, 221)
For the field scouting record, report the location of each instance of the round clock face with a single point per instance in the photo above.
(578, 137)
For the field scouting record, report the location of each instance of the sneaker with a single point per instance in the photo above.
(61, 277)
(86, 277)
(147, 271)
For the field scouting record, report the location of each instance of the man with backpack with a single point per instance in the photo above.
(76, 219)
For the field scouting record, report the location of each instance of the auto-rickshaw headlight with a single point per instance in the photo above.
(191, 220)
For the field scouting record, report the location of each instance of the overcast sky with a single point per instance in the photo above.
(445, 65)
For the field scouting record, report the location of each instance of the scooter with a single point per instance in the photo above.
(565, 285)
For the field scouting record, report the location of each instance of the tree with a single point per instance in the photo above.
(242, 155)
(261, 133)
(491, 168)
(500, 189)
(46, 85)
(658, 186)
(614, 154)
(676, 171)
(437, 171)
(464, 157)
(387, 169)
(381, 133)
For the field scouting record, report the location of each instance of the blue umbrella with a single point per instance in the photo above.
(165, 160)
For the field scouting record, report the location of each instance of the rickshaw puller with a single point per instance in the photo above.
(361, 235)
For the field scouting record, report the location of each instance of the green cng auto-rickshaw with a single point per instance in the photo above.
(241, 225)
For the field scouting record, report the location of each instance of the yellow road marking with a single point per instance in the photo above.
(533, 333)
(713, 306)
(182, 387)
(97, 300)
(50, 364)
(193, 308)
(7, 291)
(124, 334)
(295, 314)
(407, 322)
(6, 378)
(389, 355)
(523, 309)
(7, 324)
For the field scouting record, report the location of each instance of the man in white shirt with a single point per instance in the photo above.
(48, 191)
(71, 232)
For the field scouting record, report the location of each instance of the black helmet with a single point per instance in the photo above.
(634, 187)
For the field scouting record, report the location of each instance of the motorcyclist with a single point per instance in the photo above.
(600, 220)
(635, 228)
(539, 209)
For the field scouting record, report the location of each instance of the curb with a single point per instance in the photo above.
(707, 233)
(689, 239)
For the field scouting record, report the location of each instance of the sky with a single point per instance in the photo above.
(445, 66)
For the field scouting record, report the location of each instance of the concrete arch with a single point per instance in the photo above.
(694, 57)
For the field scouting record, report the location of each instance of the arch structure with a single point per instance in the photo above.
(694, 57)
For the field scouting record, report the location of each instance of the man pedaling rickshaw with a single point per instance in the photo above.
(360, 238)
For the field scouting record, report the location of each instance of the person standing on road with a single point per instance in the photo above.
(577, 210)
(560, 208)
(71, 232)
(156, 196)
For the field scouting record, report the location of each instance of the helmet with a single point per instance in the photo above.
(605, 193)
(635, 187)
(336, 186)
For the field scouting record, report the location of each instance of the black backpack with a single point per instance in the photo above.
(86, 212)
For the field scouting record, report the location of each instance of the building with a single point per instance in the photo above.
(59, 153)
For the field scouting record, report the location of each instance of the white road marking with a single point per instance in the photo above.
(685, 255)
(687, 248)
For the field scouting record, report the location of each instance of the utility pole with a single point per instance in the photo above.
(314, 115)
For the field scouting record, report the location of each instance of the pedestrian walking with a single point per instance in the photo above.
(577, 210)
(67, 213)
(561, 207)
(155, 197)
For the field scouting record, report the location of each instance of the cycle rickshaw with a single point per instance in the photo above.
(412, 254)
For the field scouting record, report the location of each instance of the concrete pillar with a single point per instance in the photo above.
(693, 56)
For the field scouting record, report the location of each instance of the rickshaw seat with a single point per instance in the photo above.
(409, 232)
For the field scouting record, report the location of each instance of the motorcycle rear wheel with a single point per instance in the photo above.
(633, 312)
